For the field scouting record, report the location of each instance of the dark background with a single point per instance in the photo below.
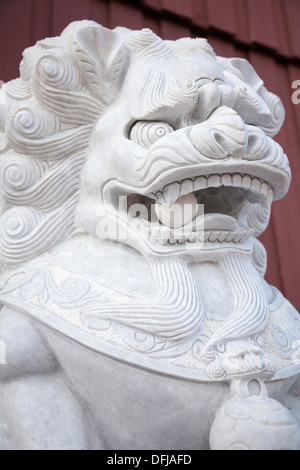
(266, 32)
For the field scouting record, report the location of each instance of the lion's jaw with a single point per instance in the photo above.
(198, 146)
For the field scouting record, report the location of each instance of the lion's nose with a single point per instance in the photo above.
(211, 96)
(228, 95)
(221, 136)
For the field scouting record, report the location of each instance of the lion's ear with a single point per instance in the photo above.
(101, 58)
(269, 116)
(242, 69)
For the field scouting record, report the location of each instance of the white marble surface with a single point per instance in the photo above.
(136, 174)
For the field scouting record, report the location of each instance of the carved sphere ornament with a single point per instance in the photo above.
(135, 177)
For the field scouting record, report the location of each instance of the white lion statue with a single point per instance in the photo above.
(136, 174)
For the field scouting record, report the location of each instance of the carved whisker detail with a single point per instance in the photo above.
(175, 312)
(250, 312)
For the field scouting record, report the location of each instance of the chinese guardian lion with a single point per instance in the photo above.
(136, 175)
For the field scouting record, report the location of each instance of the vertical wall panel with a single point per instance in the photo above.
(172, 30)
(262, 23)
(15, 35)
(99, 11)
(242, 20)
(221, 15)
(292, 16)
(66, 11)
(152, 23)
(157, 4)
(41, 19)
(221, 47)
(286, 213)
(200, 13)
(178, 7)
(121, 14)
(284, 46)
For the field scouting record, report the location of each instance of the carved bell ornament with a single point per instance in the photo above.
(135, 177)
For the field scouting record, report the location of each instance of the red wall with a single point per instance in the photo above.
(266, 32)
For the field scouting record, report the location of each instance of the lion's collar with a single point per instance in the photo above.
(61, 296)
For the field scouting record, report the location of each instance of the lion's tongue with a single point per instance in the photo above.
(185, 212)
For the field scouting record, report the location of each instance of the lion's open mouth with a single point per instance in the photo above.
(223, 205)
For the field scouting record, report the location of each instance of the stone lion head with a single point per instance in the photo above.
(102, 122)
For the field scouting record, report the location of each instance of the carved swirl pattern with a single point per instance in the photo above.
(69, 295)
(28, 123)
(18, 223)
(24, 230)
(139, 340)
(31, 182)
(216, 371)
(19, 173)
(284, 337)
(55, 69)
(19, 89)
(146, 133)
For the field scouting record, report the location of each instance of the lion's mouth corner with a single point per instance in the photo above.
(224, 204)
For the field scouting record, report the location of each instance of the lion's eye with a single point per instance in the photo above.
(146, 133)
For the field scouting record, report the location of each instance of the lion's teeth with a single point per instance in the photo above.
(237, 237)
(174, 191)
(222, 236)
(230, 237)
(237, 180)
(226, 180)
(214, 236)
(178, 238)
(246, 181)
(171, 193)
(160, 197)
(200, 183)
(213, 181)
(186, 187)
(270, 197)
(255, 185)
(164, 235)
(264, 189)
(192, 237)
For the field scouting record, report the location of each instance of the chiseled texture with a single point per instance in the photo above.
(120, 328)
